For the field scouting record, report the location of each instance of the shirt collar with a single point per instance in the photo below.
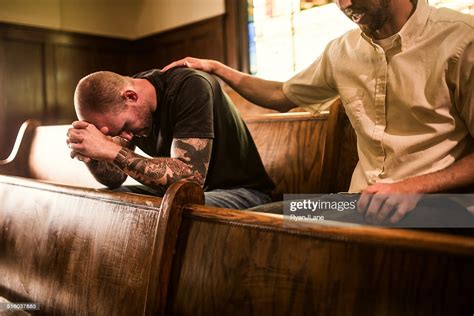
(415, 24)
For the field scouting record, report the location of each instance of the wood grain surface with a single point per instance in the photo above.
(291, 147)
(340, 152)
(78, 251)
(177, 196)
(16, 162)
(235, 263)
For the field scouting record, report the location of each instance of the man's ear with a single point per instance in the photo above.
(130, 95)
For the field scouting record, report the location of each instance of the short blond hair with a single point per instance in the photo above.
(100, 92)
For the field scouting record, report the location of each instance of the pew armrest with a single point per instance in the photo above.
(18, 157)
(340, 151)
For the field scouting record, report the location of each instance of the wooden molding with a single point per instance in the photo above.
(236, 35)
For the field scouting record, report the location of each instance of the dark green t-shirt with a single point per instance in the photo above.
(192, 104)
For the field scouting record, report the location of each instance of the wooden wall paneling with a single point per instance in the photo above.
(3, 138)
(50, 83)
(72, 63)
(208, 44)
(236, 35)
(173, 49)
(111, 59)
(208, 40)
(204, 39)
(47, 65)
(146, 53)
(143, 59)
(23, 88)
(230, 38)
(24, 78)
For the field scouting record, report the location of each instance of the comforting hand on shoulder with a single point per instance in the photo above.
(191, 62)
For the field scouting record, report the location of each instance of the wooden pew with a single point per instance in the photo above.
(291, 146)
(80, 251)
(84, 251)
(17, 161)
(302, 153)
(231, 262)
(305, 153)
(340, 151)
(40, 152)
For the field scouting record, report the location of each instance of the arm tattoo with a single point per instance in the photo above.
(107, 173)
(189, 160)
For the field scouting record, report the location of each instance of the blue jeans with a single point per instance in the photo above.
(236, 198)
(239, 198)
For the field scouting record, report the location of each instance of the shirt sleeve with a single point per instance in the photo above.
(315, 86)
(193, 109)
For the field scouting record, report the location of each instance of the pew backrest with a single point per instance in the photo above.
(84, 251)
(340, 151)
(43, 155)
(240, 263)
(17, 161)
(291, 146)
(306, 153)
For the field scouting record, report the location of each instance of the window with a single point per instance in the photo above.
(286, 36)
(464, 6)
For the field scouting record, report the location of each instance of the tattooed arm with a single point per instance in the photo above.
(106, 172)
(189, 160)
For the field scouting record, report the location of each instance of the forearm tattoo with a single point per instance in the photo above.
(189, 160)
(107, 173)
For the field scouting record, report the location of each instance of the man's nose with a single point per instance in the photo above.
(127, 135)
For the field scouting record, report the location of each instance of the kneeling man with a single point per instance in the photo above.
(183, 120)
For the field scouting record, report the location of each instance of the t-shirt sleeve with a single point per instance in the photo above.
(314, 86)
(193, 109)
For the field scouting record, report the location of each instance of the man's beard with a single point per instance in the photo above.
(145, 117)
(378, 18)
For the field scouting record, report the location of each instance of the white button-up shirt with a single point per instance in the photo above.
(412, 107)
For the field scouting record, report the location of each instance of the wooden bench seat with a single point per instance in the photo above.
(84, 251)
(231, 262)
